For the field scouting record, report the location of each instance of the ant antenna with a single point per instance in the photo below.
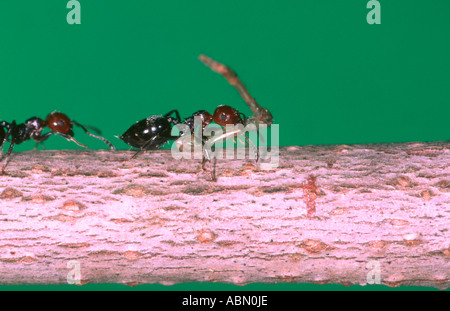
(90, 134)
(261, 115)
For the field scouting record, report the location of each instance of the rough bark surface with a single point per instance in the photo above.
(327, 214)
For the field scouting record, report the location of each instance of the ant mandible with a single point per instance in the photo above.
(155, 131)
(59, 124)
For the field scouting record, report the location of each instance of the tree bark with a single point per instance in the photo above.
(359, 214)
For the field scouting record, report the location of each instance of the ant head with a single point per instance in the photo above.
(60, 123)
(224, 115)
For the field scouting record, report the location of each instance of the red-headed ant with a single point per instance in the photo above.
(57, 122)
(155, 131)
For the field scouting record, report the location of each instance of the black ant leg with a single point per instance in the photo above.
(11, 146)
(90, 134)
(1, 146)
(39, 139)
(136, 154)
(213, 165)
(4, 137)
(143, 148)
(251, 146)
(213, 171)
(10, 149)
(149, 143)
(36, 145)
(172, 120)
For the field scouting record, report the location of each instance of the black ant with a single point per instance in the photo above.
(57, 122)
(155, 131)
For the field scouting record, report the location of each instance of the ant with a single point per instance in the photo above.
(226, 115)
(155, 131)
(57, 122)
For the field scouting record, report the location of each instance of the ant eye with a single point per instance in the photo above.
(223, 117)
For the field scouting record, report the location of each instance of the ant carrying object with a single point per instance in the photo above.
(155, 131)
(57, 122)
(226, 115)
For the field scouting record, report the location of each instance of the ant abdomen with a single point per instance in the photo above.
(155, 129)
(152, 132)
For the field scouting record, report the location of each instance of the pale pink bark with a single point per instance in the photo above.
(327, 214)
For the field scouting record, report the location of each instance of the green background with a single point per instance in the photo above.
(326, 74)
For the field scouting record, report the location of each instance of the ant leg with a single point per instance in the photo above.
(213, 171)
(207, 157)
(11, 146)
(137, 152)
(1, 147)
(171, 120)
(209, 145)
(261, 114)
(252, 146)
(90, 134)
(213, 165)
(10, 127)
(143, 148)
(39, 139)
(5, 125)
